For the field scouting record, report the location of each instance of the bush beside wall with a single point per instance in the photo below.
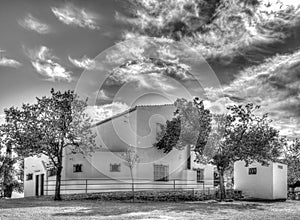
(168, 196)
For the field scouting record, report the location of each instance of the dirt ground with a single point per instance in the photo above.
(38, 208)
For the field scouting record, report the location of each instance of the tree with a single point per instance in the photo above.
(242, 135)
(292, 159)
(238, 135)
(8, 166)
(49, 126)
(131, 160)
(190, 127)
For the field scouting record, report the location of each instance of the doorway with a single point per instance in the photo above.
(37, 185)
(42, 184)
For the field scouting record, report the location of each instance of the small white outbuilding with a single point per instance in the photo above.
(261, 182)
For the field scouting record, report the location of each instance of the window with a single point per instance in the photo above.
(200, 175)
(115, 167)
(280, 167)
(252, 171)
(161, 172)
(51, 171)
(77, 168)
(29, 176)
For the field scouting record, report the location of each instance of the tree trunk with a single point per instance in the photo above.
(222, 185)
(8, 173)
(57, 196)
(132, 185)
(8, 189)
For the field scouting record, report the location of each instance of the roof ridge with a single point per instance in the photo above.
(128, 111)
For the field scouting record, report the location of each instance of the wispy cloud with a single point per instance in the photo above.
(84, 62)
(9, 62)
(32, 23)
(102, 95)
(71, 15)
(99, 113)
(274, 85)
(222, 31)
(44, 62)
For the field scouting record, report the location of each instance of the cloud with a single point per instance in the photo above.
(71, 15)
(149, 73)
(221, 31)
(83, 63)
(32, 23)
(9, 62)
(99, 113)
(274, 85)
(44, 63)
(102, 95)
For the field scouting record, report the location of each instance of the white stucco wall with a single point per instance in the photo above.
(33, 165)
(268, 183)
(139, 128)
(280, 181)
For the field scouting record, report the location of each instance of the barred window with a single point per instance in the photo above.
(252, 171)
(51, 171)
(200, 175)
(77, 168)
(161, 172)
(115, 167)
(29, 176)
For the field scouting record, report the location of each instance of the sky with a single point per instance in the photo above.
(98, 48)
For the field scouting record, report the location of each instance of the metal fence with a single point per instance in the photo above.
(76, 186)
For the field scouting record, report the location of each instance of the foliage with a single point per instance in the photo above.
(9, 166)
(239, 135)
(242, 135)
(292, 159)
(190, 126)
(49, 126)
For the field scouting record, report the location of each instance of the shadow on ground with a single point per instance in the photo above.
(114, 208)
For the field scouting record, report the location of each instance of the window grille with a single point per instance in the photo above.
(115, 167)
(200, 175)
(77, 168)
(51, 172)
(252, 171)
(29, 176)
(161, 172)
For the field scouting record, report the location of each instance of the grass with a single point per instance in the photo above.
(44, 208)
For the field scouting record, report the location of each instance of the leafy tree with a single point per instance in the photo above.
(49, 126)
(292, 159)
(238, 135)
(131, 160)
(242, 135)
(8, 166)
(190, 127)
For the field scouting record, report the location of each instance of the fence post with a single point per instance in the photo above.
(174, 185)
(86, 186)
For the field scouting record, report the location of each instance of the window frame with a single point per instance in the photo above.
(252, 171)
(115, 167)
(29, 176)
(199, 172)
(161, 172)
(77, 168)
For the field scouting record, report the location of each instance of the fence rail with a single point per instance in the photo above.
(107, 185)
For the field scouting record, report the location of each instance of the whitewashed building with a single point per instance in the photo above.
(261, 182)
(105, 170)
